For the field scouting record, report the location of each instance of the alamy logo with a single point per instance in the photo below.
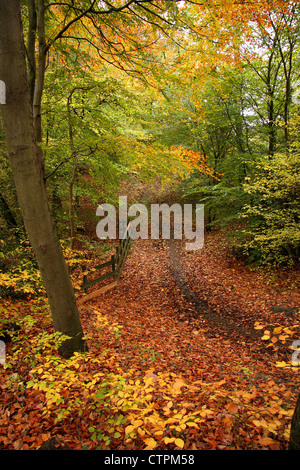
(2, 92)
(170, 221)
(2, 352)
(296, 353)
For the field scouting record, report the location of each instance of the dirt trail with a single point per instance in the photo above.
(202, 308)
(178, 316)
(161, 312)
(173, 343)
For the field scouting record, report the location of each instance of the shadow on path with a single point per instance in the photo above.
(201, 307)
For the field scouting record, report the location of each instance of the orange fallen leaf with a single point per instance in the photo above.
(150, 443)
(266, 441)
(233, 408)
(179, 383)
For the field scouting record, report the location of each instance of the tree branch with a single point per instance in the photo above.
(68, 25)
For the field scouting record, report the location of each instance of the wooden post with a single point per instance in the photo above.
(113, 266)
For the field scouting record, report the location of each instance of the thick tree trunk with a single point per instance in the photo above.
(25, 158)
(294, 443)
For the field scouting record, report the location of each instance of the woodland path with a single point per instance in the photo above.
(211, 292)
(177, 339)
(193, 314)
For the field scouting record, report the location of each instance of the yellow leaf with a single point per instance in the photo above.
(179, 443)
(277, 330)
(191, 424)
(281, 364)
(150, 443)
(153, 420)
(179, 427)
(141, 432)
(168, 440)
(137, 423)
(129, 429)
(134, 407)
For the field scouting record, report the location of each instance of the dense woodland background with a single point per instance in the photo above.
(190, 102)
(214, 85)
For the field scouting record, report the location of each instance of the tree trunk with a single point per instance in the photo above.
(32, 18)
(294, 443)
(271, 125)
(26, 162)
(40, 75)
(74, 172)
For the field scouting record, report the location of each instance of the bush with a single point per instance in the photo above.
(19, 274)
(272, 217)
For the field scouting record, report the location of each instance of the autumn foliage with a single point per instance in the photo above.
(158, 374)
(192, 350)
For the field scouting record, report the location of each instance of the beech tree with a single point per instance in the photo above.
(24, 77)
(26, 162)
(22, 121)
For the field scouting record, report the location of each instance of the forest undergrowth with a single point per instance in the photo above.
(202, 363)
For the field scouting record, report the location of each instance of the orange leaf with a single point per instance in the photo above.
(265, 441)
(179, 383)
(150, 443)
(233, 408)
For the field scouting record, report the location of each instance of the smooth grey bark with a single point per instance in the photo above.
(26, 162)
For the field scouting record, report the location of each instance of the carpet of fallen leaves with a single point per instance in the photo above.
(192, 350)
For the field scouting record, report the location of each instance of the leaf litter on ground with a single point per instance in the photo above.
(159, 374)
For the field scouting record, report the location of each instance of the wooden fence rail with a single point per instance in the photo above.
(116, 262)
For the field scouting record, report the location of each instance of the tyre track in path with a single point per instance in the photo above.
(200, 309)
